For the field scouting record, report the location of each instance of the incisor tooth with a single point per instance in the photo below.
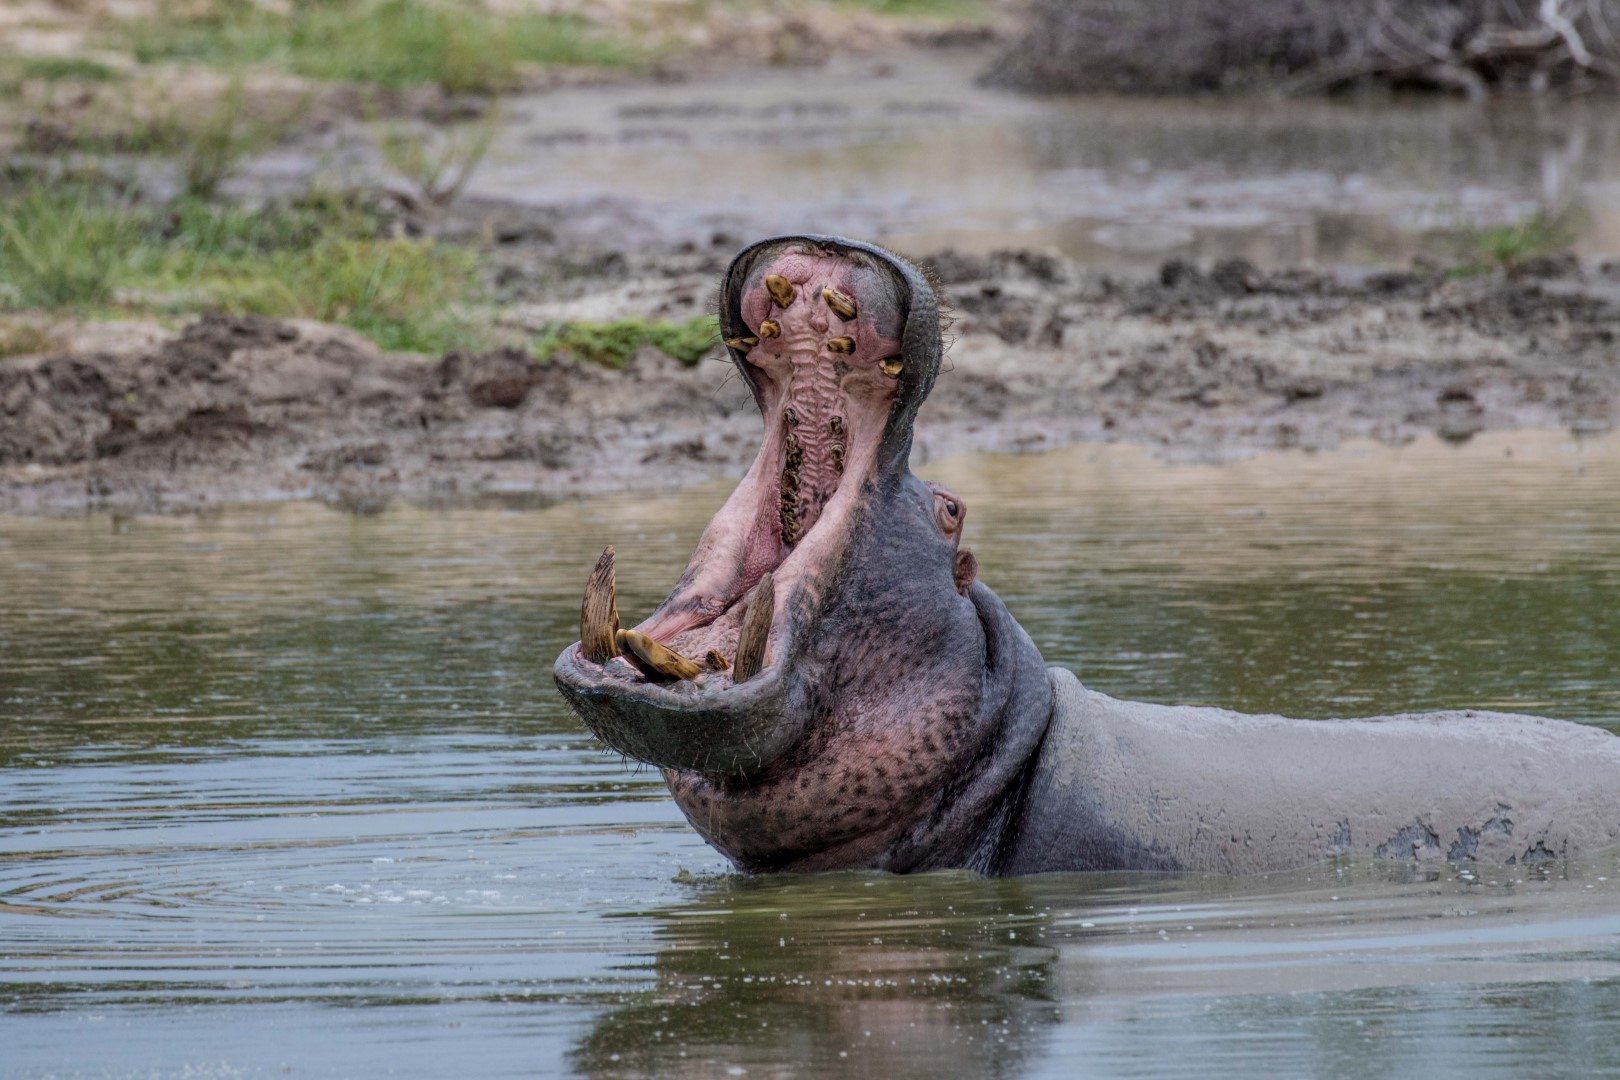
(742, 342)
(665, 661)
(891, 367)
(840, 302)
(841, 345)
(780, 288)
(599, 613)
(756, 631)
(770, 328)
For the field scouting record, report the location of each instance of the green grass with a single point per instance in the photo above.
(457, 44)
(1507, 247)
(59, 69)
(612, 344)
(73, 248)
(400, 293)
(63, 247)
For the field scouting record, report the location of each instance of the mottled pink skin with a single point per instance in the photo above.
(799, 373)
(881, 758)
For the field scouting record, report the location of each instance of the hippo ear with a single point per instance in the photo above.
(922, 344)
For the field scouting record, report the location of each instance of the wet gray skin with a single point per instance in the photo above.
(902, 720)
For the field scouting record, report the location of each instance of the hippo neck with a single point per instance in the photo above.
(978, 810)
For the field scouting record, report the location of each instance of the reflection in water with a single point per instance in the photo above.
(1370, 970)
(280, 771)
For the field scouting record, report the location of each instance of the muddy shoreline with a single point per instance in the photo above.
(1199, 362)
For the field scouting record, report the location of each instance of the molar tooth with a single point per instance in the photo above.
(836, 425)
(838, 456)
(756, 630)
(840, 302)
(791, 415)
(716, 660)
(770, 328)
(599, 613)
(664, 660)
(841, 345)
(742, 342)
(891, 367)
(780, 288)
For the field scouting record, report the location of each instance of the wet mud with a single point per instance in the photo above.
(1200, 361)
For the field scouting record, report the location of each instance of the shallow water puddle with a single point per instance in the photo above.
(915, 153)
(283, 788)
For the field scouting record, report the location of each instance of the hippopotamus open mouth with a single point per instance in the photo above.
(828, 685)
(827, 616)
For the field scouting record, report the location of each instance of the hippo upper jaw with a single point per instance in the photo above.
(819, 330)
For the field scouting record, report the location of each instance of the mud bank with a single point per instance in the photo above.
(1201, 362)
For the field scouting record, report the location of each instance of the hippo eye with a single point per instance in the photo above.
(951, 508)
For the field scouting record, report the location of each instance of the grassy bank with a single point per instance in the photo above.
(459, 45)
(74, 248)
(84, 249)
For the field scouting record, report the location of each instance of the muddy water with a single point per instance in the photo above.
(287, 790)
(913, 152)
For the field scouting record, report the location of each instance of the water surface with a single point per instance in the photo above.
(915, 153)
(288, 790)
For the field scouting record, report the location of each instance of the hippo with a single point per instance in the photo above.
(829, 685)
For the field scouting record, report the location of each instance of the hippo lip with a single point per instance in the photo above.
(816, 332)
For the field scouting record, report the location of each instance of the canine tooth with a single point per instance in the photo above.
(664, 660)
(891, 367)
(599, 613)
(769, 328)
(841, 345)
(742, 342)
(840, 302)
(756, 630)
(780, 288)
